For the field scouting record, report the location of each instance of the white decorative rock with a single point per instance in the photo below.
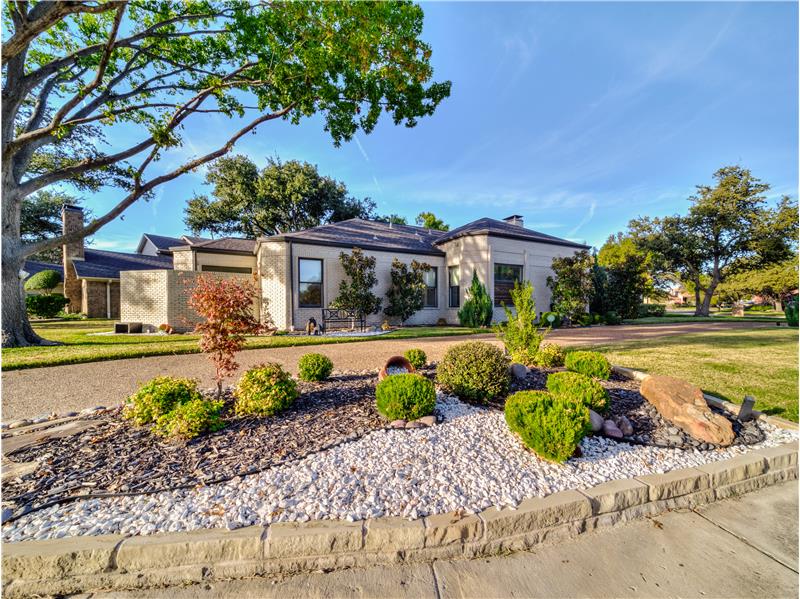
(19, 423)
(596, 421)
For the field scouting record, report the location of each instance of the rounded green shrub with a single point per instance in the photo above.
(264, 390)
(44, 280)
(585, 319)
(525, 355)
(159, 397)
(190, 419)
(791, 313)
(550, 426)
(474, 370)
(314, 367)
(550, 356)
(577, 387)
(597, 318)
(589, 363)
(405, 396)
(546, 322)
(45, 306)
(612, 318)
(416, 357)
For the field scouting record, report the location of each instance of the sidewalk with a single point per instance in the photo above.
(743, 547)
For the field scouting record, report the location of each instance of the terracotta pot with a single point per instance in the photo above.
(396, 362)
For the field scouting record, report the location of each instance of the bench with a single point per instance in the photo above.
(340, 316)
(127, 327)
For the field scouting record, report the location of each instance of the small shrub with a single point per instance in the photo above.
(648, 310)
(191, 419)
(524, 355)
(314, 367)
(585, 319)
(417, 358)
(474, 370)
(477, 309)
(45, 306)
(597, 318)
(612, 318)
(577, 387)
(550, 426)
(791, 313)
(546, 322)
(159, 397)
(519, 333)
(265, 390)
(405, 396)
(589, 363)
(44, 280)
(550, 356)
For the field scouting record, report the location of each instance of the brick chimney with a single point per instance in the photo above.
(72, 220)
(515, 219)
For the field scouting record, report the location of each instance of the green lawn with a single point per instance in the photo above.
(729, 364)
(79, 345)
(724, 315)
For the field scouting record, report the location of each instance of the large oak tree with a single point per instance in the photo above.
(81, 79)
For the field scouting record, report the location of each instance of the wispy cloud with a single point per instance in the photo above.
(361, 148)
(589, 215)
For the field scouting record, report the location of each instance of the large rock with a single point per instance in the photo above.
(596, 421)
(683, 405)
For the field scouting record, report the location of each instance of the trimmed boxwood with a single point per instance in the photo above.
(577, 387)
(314, 367)
(550, 356)
(416, 357)
(45, 306)
(264, 390)
(405, 396)
(158, 397)
(474, 370)
(589, 363)
(191, 419)
(550, 426)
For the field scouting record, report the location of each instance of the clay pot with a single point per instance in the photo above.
(396, 362)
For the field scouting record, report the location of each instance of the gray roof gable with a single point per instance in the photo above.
(103, 264)
(498, 228)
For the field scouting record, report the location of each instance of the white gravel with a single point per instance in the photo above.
(470, 462)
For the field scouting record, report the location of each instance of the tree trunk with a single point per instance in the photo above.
(697, 302)
(704, 309)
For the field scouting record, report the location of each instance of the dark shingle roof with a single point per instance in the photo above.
(34, 266)
(162, 242)
(228, 244)
(107, 265)
(368, 235)
(498, 228)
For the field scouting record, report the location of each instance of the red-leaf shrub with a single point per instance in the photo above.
(227, 307)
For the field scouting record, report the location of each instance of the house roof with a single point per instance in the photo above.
(238, 245)
(499, 228)
(368, 235)
(164, 243)
(34, 266)
(103, 264)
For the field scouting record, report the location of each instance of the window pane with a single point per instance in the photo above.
(429, 277)
(455, 292)
(310, 271)
(504, 277)
(430, 293)
(310, 295)
(430, 297)
(452, 275)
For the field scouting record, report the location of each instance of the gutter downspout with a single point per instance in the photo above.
(291, 287)
(108, 299)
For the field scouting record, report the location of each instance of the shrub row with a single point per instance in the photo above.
(646, 310)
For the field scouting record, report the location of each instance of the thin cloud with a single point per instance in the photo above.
(589, 216)
(361, 148)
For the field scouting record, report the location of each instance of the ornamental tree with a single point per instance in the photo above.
(226, 307)
(96, 94)
(406, 294)
(44, 281)
(477, 310)
(355, 291)
(572, 287)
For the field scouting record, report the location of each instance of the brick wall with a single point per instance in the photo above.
(273, 267)
(95, 296)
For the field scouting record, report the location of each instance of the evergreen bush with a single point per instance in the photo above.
(791, 312)
(405, 396)
(477, 309)
(158, 397)
(474, 370)
(45, 306)
(44, 280)
(574, 386)
(265, 390)
(190, 419)
(416, 357)
(520, 334)
(314, 367)
(590, 363)
(550, 355)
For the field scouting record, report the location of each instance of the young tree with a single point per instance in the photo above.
(520, 333)
(281, 197)
(406, 292)
(429, 221)
(572, 286)
(356, 293)
(81, 79)
(729, 228)
(226, 306)
(477, 309)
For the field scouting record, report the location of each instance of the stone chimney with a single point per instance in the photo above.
(515, 219)
(72, 220)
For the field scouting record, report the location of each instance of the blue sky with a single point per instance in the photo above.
(579, 116)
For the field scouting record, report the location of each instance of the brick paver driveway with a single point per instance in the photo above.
(36, 391)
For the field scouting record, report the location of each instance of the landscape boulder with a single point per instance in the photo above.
(683, 405)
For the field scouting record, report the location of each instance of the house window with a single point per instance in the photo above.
(505, 275)
(310, 283)
(239, 269)
(454, 291)
(430, 277)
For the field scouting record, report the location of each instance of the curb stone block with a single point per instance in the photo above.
(616, 495)
(528, 540)
(780, 456)
(736, 469)
(317, 537)
(445, 529)
(192, 547)
(58, 558)
(394, 535)
(772, 477)
(536, 513)
(675, 483)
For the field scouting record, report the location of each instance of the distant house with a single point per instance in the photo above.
(298, 274)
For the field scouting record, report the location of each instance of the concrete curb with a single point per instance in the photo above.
(80, 564)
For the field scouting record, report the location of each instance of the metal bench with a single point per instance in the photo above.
(339, 316)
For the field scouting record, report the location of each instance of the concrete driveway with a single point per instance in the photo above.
(35, 391)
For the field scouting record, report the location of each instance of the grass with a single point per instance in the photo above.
(729, 364)
(80, 345)
(674, 317)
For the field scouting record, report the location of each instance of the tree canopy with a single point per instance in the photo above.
(430, 221)
(572, 286)
(96, 95)
(729, 228)
(281, 197)
(394, 219)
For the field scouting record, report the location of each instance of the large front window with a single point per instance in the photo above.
(505, 275)
(453, 288)
(310, 279)
(430, 277)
